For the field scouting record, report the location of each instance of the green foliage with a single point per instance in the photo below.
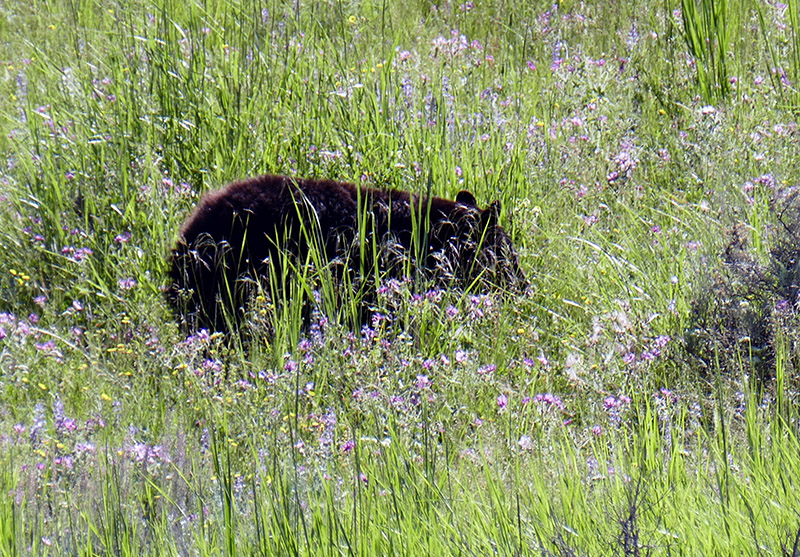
(640, 395)
(707, 31)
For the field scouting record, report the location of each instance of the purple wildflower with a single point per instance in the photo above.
(126, 283)
(423, 382)
(502, 402)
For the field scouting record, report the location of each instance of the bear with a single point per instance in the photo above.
(236, 233)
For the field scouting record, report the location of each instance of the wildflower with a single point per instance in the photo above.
(661, 341)
(423, 382)
(544, 361)
(502, 402)
(66, 461)
(525, 443)
(590, 220)
(126, 283)
(212, 365)
(549, 399)
(597, 430)
(667, 394)
(650, 355)
(368, 333)
(45, 346)
(461, 356)
(85, 448)
(348, 446)
(66, 425)
(767, 180)
(290, 366)
(488, 368)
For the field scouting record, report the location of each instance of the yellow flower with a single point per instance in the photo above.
(352, 19)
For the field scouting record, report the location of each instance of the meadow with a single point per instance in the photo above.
(640, 399)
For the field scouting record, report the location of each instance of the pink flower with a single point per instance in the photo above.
(126, 283)
(290, 366)
(502, 402)
(423, 382)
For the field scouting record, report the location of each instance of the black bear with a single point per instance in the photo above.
(235, 234)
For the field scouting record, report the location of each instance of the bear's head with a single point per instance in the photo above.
(483, 249)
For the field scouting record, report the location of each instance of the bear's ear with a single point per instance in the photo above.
(491, 216)
(466, 198)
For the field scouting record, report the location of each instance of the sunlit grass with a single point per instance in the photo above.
(609, 410)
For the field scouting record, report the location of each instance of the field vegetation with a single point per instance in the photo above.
(641, 398)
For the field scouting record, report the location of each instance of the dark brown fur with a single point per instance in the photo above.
(238, 231)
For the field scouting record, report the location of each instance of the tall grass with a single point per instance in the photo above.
(707, 30)
(640, 396)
